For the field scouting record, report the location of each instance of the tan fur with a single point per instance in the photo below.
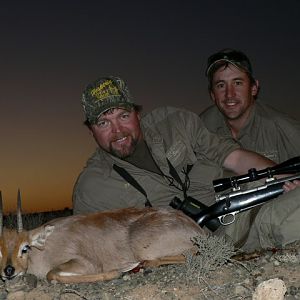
(100, 246)
(11, 244)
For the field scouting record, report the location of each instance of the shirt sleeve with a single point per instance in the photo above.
(288, 131)
(95, 192)
(207, 144)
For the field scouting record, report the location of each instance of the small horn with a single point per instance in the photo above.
(1, 214)
(19, 214)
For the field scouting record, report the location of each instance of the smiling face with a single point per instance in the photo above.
(118, 131)
(233, 92)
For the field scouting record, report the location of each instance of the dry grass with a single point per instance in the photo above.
(212, 253)
(34, 220)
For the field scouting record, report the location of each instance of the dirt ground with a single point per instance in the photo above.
(233, 279)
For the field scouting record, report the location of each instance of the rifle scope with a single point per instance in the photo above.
(289, 166)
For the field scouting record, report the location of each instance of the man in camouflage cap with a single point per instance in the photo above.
(150, 160)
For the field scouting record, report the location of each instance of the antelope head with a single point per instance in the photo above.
(14, 246)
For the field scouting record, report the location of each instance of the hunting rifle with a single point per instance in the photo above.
(236, 200)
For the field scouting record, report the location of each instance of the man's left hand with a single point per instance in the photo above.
(289, 186)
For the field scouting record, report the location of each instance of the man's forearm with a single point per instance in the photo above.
(240, 161)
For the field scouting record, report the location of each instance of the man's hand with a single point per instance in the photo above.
(289, 186)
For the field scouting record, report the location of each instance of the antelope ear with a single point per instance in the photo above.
(38, 236)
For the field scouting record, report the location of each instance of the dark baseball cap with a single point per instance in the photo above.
(234, 57)
(103, 94)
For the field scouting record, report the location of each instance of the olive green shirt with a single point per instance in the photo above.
(170, 133)
(268, 132)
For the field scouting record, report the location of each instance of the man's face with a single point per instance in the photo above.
(118, 131)
(233, 92)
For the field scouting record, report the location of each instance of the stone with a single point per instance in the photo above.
(272, 289)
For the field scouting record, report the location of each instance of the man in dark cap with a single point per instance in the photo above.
(238, 114)
(150, 160)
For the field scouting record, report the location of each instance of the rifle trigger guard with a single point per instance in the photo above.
(231, 218)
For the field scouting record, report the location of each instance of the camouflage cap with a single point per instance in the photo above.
(103, 94)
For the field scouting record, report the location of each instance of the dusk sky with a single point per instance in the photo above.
(50, 50)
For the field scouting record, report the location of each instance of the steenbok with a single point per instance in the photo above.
(96, 246)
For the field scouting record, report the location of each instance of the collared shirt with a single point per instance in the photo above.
(268, 132)
(170, 133)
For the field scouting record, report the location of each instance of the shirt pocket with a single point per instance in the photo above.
(179, 154)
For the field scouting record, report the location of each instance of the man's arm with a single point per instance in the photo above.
(240, 161)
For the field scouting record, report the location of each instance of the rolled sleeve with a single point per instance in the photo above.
(210, 145)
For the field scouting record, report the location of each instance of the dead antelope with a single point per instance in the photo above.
(97, 246)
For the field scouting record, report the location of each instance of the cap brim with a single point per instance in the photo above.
(215, 64)
(127, 106)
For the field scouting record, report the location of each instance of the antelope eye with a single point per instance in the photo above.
(25, 249)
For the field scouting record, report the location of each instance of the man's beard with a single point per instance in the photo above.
(125, 150)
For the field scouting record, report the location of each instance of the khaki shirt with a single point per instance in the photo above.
(268, 132)
(176, 134)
